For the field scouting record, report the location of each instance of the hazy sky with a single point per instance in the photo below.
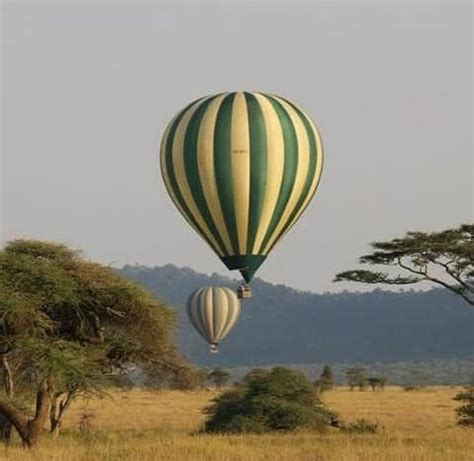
(88, 88)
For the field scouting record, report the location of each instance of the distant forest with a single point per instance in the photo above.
(283, 325)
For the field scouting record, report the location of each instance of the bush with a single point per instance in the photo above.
(187, 379)
(279, 400)
(465, 413)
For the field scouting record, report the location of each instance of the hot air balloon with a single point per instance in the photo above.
(241, 167)
(213, 312)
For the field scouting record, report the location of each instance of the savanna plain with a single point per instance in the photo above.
(165, 425)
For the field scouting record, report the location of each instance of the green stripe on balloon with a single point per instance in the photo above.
(258, 166)
(223, 167)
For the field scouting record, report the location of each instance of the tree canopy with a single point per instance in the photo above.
(69, 325)
(444, 258)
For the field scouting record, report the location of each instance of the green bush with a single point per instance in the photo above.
(280, 400)
(465, 413)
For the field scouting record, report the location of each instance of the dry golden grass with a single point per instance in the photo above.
(149, 426)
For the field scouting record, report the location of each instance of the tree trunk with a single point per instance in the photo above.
(30, 429)
(16, 417)
(58, 410)
(6, 429)
(44, 398)
(7, 376)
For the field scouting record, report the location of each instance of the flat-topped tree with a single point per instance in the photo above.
(356, 377)
(445, 258)
(67, 326)
(219, 377)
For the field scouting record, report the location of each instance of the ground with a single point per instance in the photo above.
(163, 426)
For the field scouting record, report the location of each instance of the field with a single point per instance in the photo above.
(146, 426)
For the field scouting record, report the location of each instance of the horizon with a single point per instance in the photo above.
(414, 288)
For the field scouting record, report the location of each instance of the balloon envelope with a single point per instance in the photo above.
(241, 167)
(213, 312)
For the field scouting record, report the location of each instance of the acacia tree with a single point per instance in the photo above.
(445, 258)
(219, 377)
(356, 376)
(377, 382)
(66, 326)
(326, 380)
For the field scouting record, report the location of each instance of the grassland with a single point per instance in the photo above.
(149, 426)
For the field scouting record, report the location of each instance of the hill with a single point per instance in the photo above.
(283, 325)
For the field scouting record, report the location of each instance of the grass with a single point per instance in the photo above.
(162, 426)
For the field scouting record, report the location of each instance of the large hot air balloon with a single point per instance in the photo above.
(213, 312)
(241, 167)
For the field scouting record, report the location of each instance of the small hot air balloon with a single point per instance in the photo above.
(241, 167)
(213, 312)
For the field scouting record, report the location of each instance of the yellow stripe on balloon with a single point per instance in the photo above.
(209, 311)
(234, 311)
(275, 163)
(223, 304)
(240, 164)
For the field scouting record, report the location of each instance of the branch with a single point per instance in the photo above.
(98, 329)
(369, 277)
(452, 274)
(15, 416)
(452, 249)
(437, 281)
(451, 288)
(115, 312)
(410, 269)
(7, 376)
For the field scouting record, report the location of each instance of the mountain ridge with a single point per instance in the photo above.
(330, 327)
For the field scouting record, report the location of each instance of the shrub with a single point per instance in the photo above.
(465, 413)
(187, 379)
(255, 374)
(280, 400)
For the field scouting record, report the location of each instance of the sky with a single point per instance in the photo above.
(89, 87)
